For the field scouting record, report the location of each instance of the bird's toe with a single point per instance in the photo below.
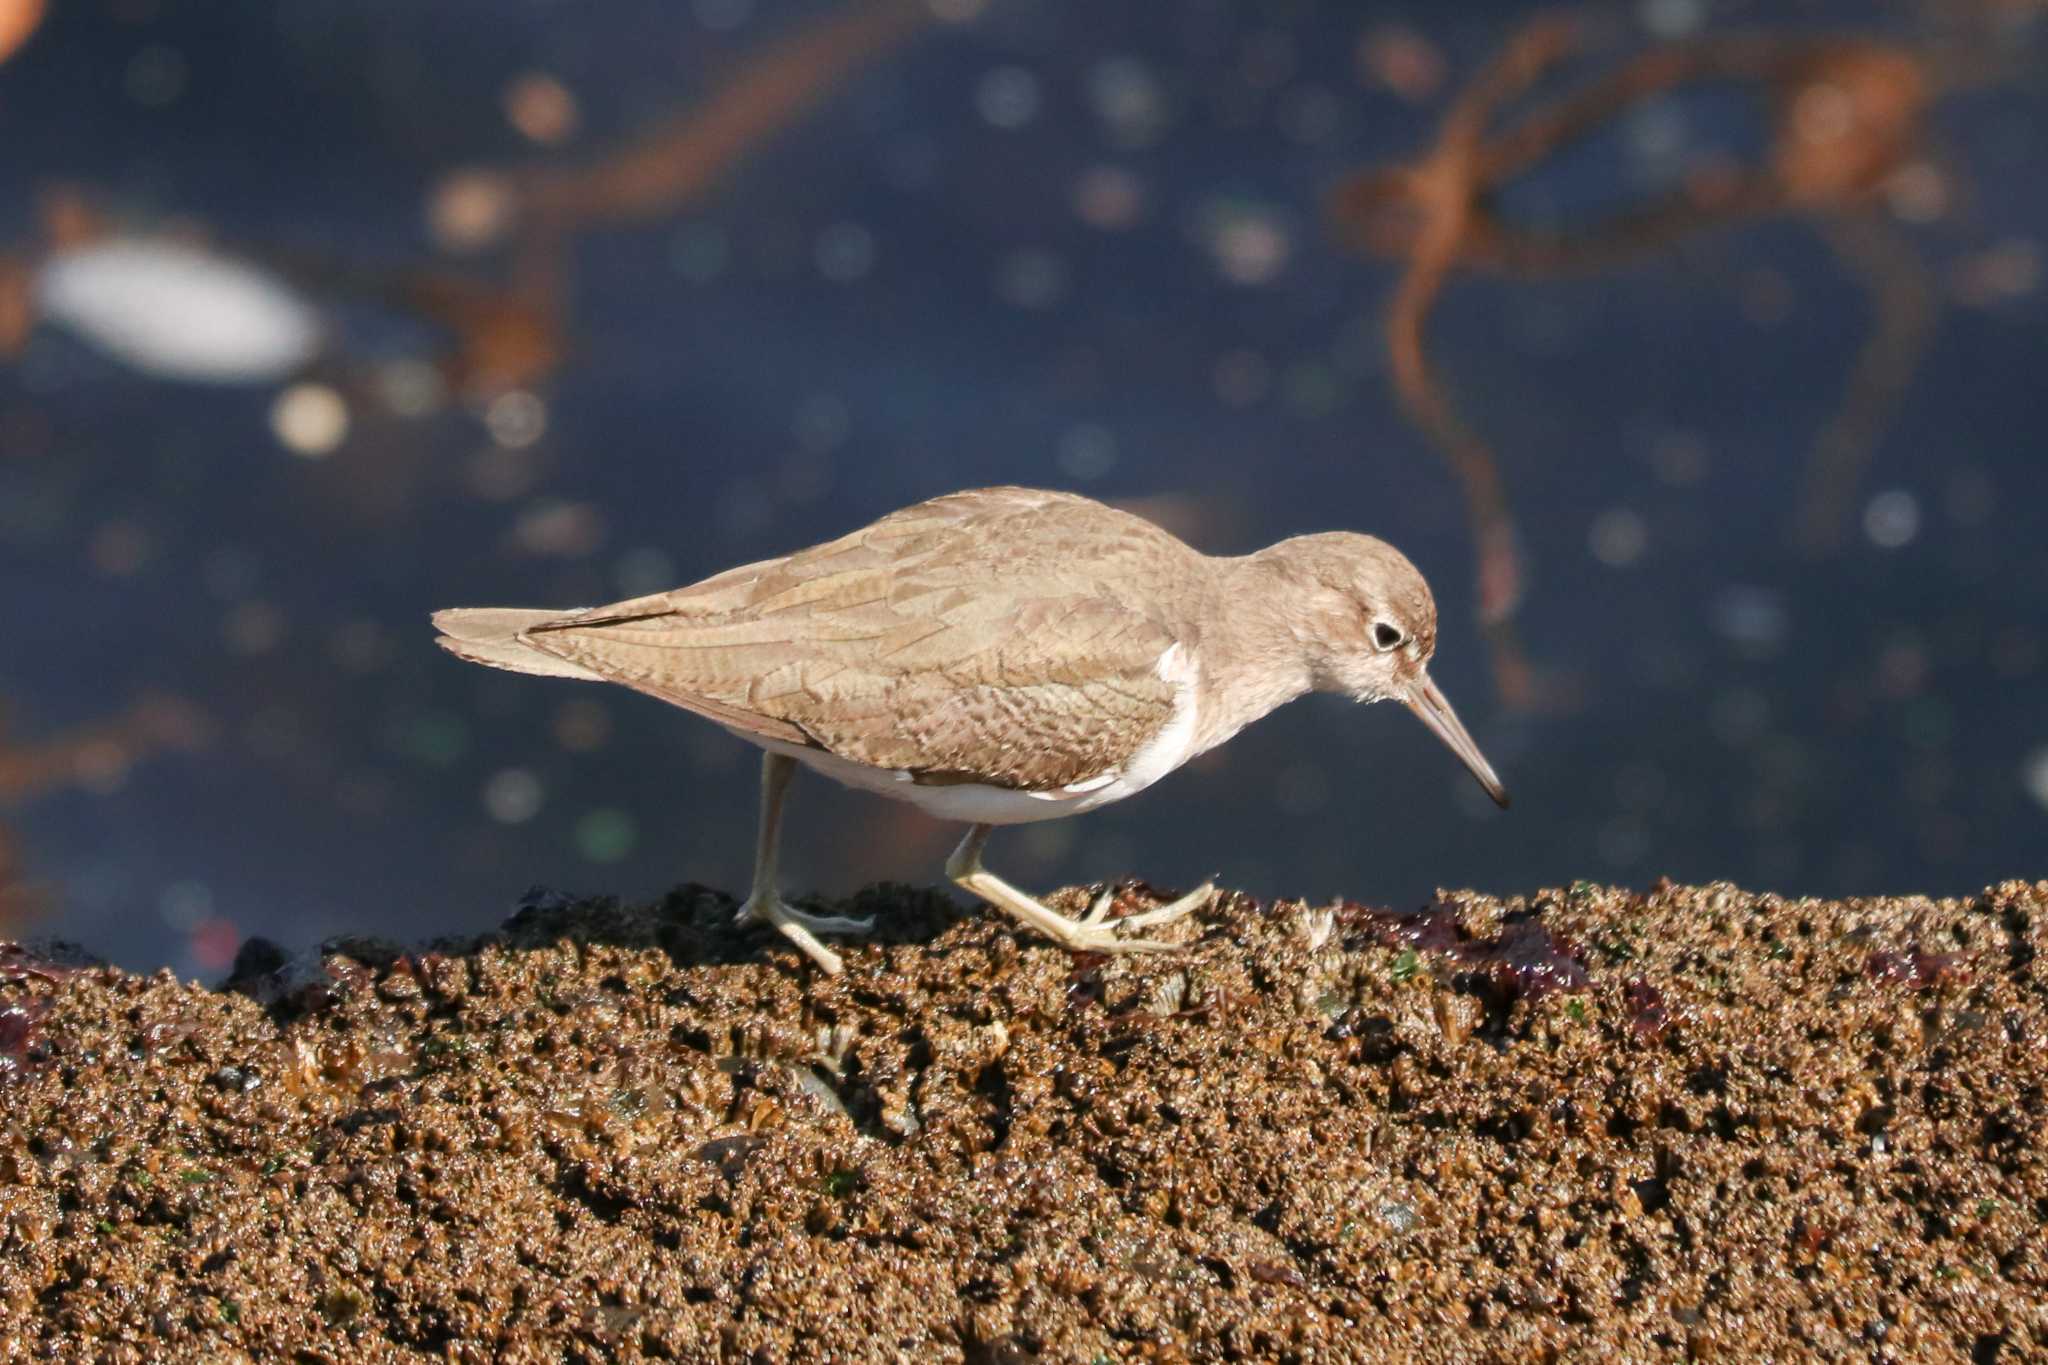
(1173, 910)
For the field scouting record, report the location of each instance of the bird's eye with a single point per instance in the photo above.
(1386, 636)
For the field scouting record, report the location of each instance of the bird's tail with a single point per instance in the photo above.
(496, 636)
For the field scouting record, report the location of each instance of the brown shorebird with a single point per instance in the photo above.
(995, 657)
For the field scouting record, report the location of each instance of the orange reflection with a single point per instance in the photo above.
(17, 303)
(18, 21)
(511, 336)
(1844, 117)
(1428, 212)
(97, 757)
(666, 167)
(100, 755)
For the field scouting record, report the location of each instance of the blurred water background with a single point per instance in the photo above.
(285, 370)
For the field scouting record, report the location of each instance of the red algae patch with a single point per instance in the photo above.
(19, 962)
(1591, 1123)
(18, 1052)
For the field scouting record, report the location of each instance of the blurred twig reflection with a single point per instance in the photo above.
(499, 336)
(538, 210)
(1439, 213)
(1843, 117)
(96, 756)
(102, 753)
(491, 338)
(512, 336)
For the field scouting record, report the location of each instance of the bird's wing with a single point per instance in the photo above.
(985, 637)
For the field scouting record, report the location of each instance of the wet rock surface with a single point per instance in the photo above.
(1592, 1122)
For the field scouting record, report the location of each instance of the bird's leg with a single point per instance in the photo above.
(764, 902)
(1093, 933)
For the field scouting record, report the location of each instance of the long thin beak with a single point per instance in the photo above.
(1427, 702)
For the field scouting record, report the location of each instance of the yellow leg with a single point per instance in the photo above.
(1094, 932)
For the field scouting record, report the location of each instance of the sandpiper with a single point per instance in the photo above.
(998, 656)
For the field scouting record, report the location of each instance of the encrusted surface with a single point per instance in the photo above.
(1592, 1122)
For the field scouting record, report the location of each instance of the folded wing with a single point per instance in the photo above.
(931, 642)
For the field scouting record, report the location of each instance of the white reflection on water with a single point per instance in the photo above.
(177, 311)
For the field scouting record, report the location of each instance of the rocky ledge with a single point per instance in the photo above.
(1590, 1122)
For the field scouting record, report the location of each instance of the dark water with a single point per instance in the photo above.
(1065, 244)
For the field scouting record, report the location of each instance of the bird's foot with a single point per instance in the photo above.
(752, 913)
(803, 929)
(1164, 914)
(1095, 932)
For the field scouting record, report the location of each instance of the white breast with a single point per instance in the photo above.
(972, 803)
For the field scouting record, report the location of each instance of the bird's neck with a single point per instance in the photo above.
(1253, 659)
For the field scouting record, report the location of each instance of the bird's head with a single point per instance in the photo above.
(1367, 625)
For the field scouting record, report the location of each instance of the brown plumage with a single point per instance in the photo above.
(1000, 636)
(998, 656)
